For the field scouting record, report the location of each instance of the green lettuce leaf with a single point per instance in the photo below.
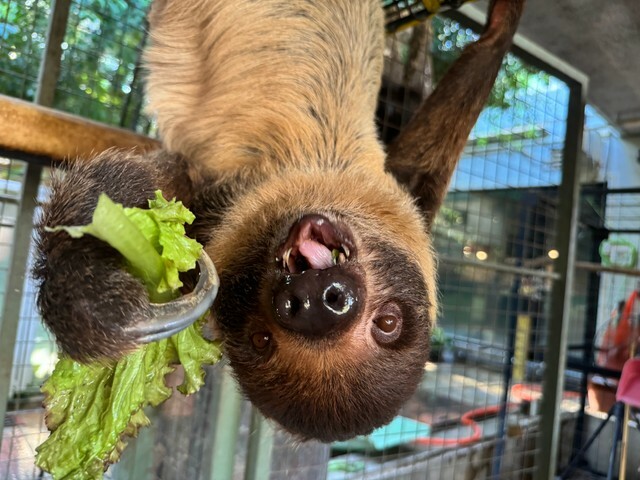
(92, 408)
(153, 240)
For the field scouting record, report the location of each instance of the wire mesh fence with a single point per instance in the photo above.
(23, 31)
(496, 238)
(33, 353)
(476, 411)
(101, 72)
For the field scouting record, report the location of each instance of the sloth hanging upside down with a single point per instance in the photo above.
(320, 237)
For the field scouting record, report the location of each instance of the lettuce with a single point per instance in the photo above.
(92, 408)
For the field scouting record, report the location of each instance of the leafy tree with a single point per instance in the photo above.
(100, 74)
(23, 27)
(449, 38)
(100, 71)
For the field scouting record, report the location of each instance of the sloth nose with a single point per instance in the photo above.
(316, 303)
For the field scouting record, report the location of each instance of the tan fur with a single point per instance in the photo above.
(232, 91)
(249, 91)
(268, 108)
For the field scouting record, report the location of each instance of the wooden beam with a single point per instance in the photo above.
(43, 132)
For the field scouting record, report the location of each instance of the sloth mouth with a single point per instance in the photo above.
(315, 243)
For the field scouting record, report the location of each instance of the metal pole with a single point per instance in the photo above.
(497, 267)
(258, 465)
(558, 324)
(513, 309)
(593, 287)
(47, 80)
(599, 268)
(50, 66)
(15, 286)
(227, 427)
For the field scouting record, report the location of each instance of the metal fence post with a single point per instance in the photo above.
(556, 353)
(47, 81)
(227, 426)
(258, 464)
(15, 285)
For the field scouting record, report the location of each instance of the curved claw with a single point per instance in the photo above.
(172, 317)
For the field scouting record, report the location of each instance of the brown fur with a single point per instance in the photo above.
(271, 105)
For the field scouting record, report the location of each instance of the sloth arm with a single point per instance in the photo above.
(85, 296)
(426, 152)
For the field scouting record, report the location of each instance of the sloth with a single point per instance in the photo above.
(321, 238)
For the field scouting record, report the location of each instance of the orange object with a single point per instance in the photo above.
(614, 352)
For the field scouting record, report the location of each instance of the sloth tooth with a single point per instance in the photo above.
(338, 257)
(346, 250)
(285, 258)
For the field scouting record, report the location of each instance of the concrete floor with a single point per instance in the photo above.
(22, 433)
(448, 391)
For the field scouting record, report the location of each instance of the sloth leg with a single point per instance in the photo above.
(426, 152)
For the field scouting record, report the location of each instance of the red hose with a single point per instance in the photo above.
(468, 420)
(521, 392)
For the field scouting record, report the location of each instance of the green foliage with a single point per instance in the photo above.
(92, 408)
(23, 27)
(100, 72)
(100, 76)
(153, 240)
(449, 38)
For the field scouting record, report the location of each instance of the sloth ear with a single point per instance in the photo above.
(426, 152)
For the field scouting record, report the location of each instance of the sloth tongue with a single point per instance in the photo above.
(318, 256)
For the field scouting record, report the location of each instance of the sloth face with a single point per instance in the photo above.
(325, 316)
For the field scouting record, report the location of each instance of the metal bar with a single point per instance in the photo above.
(50, 65)
(498, 267)
(515, 304)
(592, 368)
(227, 427)
(4, 198)
(17, 155)
(258, 463)
(634, 231)
(617, 435)
(47, 78)
(558, 324)
(599, 268)
(591, 319)
(15, 286)
(610, 191)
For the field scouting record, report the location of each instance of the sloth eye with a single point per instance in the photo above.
(387, 324)
(386, 328)
(261, 340)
